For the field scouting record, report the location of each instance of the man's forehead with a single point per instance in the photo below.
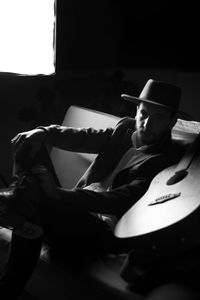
(153, 108)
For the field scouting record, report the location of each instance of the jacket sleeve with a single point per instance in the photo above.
(118, 200)
(115, 202)
(87, 140)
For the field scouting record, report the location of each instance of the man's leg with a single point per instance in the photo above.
(59, 219)
(23, 164)
(23, 252)
(80, 231)
(73, 229)
(62, 223)
(22, 258)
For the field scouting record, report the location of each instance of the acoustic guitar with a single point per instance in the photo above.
(167, 217)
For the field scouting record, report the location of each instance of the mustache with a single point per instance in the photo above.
(147, 131)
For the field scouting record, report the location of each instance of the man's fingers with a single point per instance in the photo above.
(32, 138)
(18, 143)
(17, 139)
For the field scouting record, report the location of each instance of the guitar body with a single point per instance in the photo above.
(168, 214)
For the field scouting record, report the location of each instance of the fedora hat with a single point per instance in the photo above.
(159, 93)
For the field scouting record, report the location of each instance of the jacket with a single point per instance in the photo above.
(110, 144)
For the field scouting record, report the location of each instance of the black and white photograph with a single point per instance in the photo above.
(100, 146)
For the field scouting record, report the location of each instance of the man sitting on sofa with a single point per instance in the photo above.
(129, 156)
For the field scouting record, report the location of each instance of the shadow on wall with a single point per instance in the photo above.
(98, 91)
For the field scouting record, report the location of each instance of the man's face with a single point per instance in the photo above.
(153, 122)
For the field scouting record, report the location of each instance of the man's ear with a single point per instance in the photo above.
(173, 120)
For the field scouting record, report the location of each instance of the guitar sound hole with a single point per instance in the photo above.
(178, 176)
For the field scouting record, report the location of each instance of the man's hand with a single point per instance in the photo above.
(95, 187)
(33, 138)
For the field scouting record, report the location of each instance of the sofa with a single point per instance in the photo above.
(58, 275)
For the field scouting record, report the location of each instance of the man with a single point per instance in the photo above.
(129, 156)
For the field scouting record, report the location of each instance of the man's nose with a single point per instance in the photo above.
(146, 121)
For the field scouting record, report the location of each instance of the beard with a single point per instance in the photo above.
(146, 136)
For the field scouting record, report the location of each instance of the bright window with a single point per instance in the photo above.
(27, 36)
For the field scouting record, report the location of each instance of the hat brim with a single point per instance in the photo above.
(137, 100)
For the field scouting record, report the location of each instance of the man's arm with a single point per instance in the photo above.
(118, 200)
(88, 140)
(114, 202)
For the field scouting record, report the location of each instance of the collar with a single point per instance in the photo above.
(161, 146)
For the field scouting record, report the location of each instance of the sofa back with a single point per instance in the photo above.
(70, 166)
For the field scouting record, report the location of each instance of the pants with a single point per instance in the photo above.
(73, 231)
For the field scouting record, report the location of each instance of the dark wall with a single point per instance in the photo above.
(127, 34)
(87, 34)
(16, 93)
(104, 48)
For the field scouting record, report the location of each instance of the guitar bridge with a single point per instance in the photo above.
(164, 198)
